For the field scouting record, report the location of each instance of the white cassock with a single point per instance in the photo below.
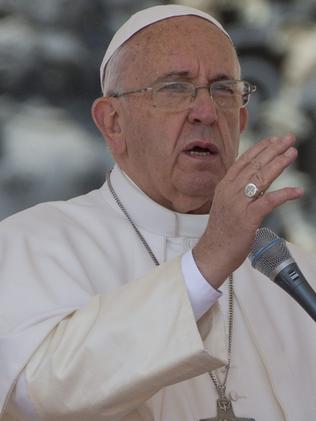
(100, 334)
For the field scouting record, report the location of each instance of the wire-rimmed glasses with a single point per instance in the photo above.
(180, 95)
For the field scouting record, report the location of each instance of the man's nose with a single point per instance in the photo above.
(203, 109)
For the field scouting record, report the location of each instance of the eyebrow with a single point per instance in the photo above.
(175, 73)
(185, 74)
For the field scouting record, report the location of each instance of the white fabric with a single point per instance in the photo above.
(24, 326)
(201, 294)
(249, 380)
(20, 404)
(147, 17)
(274, 343)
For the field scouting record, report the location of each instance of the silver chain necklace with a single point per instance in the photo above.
(224, 404)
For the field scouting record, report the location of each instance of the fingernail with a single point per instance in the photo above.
(290, 152)
(284, 139)
(288, 137)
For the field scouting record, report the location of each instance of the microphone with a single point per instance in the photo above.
(270, 255)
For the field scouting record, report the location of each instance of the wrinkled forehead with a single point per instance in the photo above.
(180, 47)
(177, 41)
(149, 17)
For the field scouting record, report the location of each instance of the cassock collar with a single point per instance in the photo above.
(151, 216)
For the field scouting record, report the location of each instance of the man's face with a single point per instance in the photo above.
(162, 154)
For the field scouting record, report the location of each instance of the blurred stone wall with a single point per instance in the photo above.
(50, 51)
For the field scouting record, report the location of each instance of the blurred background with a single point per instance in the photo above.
(50, 52)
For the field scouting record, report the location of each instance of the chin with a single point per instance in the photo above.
(196, 207)
(193, 200)
(202, 187)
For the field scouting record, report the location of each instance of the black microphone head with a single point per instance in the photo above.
(268, 252)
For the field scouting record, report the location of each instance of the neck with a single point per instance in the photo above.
(149, 214)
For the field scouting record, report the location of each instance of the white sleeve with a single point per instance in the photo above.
(90, 338)
(201, 294)
(20, 405)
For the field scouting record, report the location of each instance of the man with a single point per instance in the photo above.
(99, 332)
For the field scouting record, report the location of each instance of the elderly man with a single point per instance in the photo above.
(110, 302)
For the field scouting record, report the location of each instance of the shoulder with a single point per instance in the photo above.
(51, 217)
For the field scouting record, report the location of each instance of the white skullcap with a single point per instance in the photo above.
(145, 18)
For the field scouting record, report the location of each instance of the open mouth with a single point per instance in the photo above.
(201, 150)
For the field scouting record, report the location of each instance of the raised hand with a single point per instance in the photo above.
(234, 217)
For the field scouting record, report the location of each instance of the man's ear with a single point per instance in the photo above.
(243, 118)
(106, 116)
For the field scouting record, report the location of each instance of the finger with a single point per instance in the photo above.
(270, 148)
(271, 171)
(261, 154)
(276, 167)
(271, 200)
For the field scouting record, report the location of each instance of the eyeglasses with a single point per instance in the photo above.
(179, 96)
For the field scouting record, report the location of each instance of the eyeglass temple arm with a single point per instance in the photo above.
(133, 91)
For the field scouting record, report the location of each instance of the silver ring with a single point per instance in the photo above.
(251, 190)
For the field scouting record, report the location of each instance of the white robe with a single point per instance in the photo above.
(101, 335)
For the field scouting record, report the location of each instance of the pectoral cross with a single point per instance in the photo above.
(225, 412)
